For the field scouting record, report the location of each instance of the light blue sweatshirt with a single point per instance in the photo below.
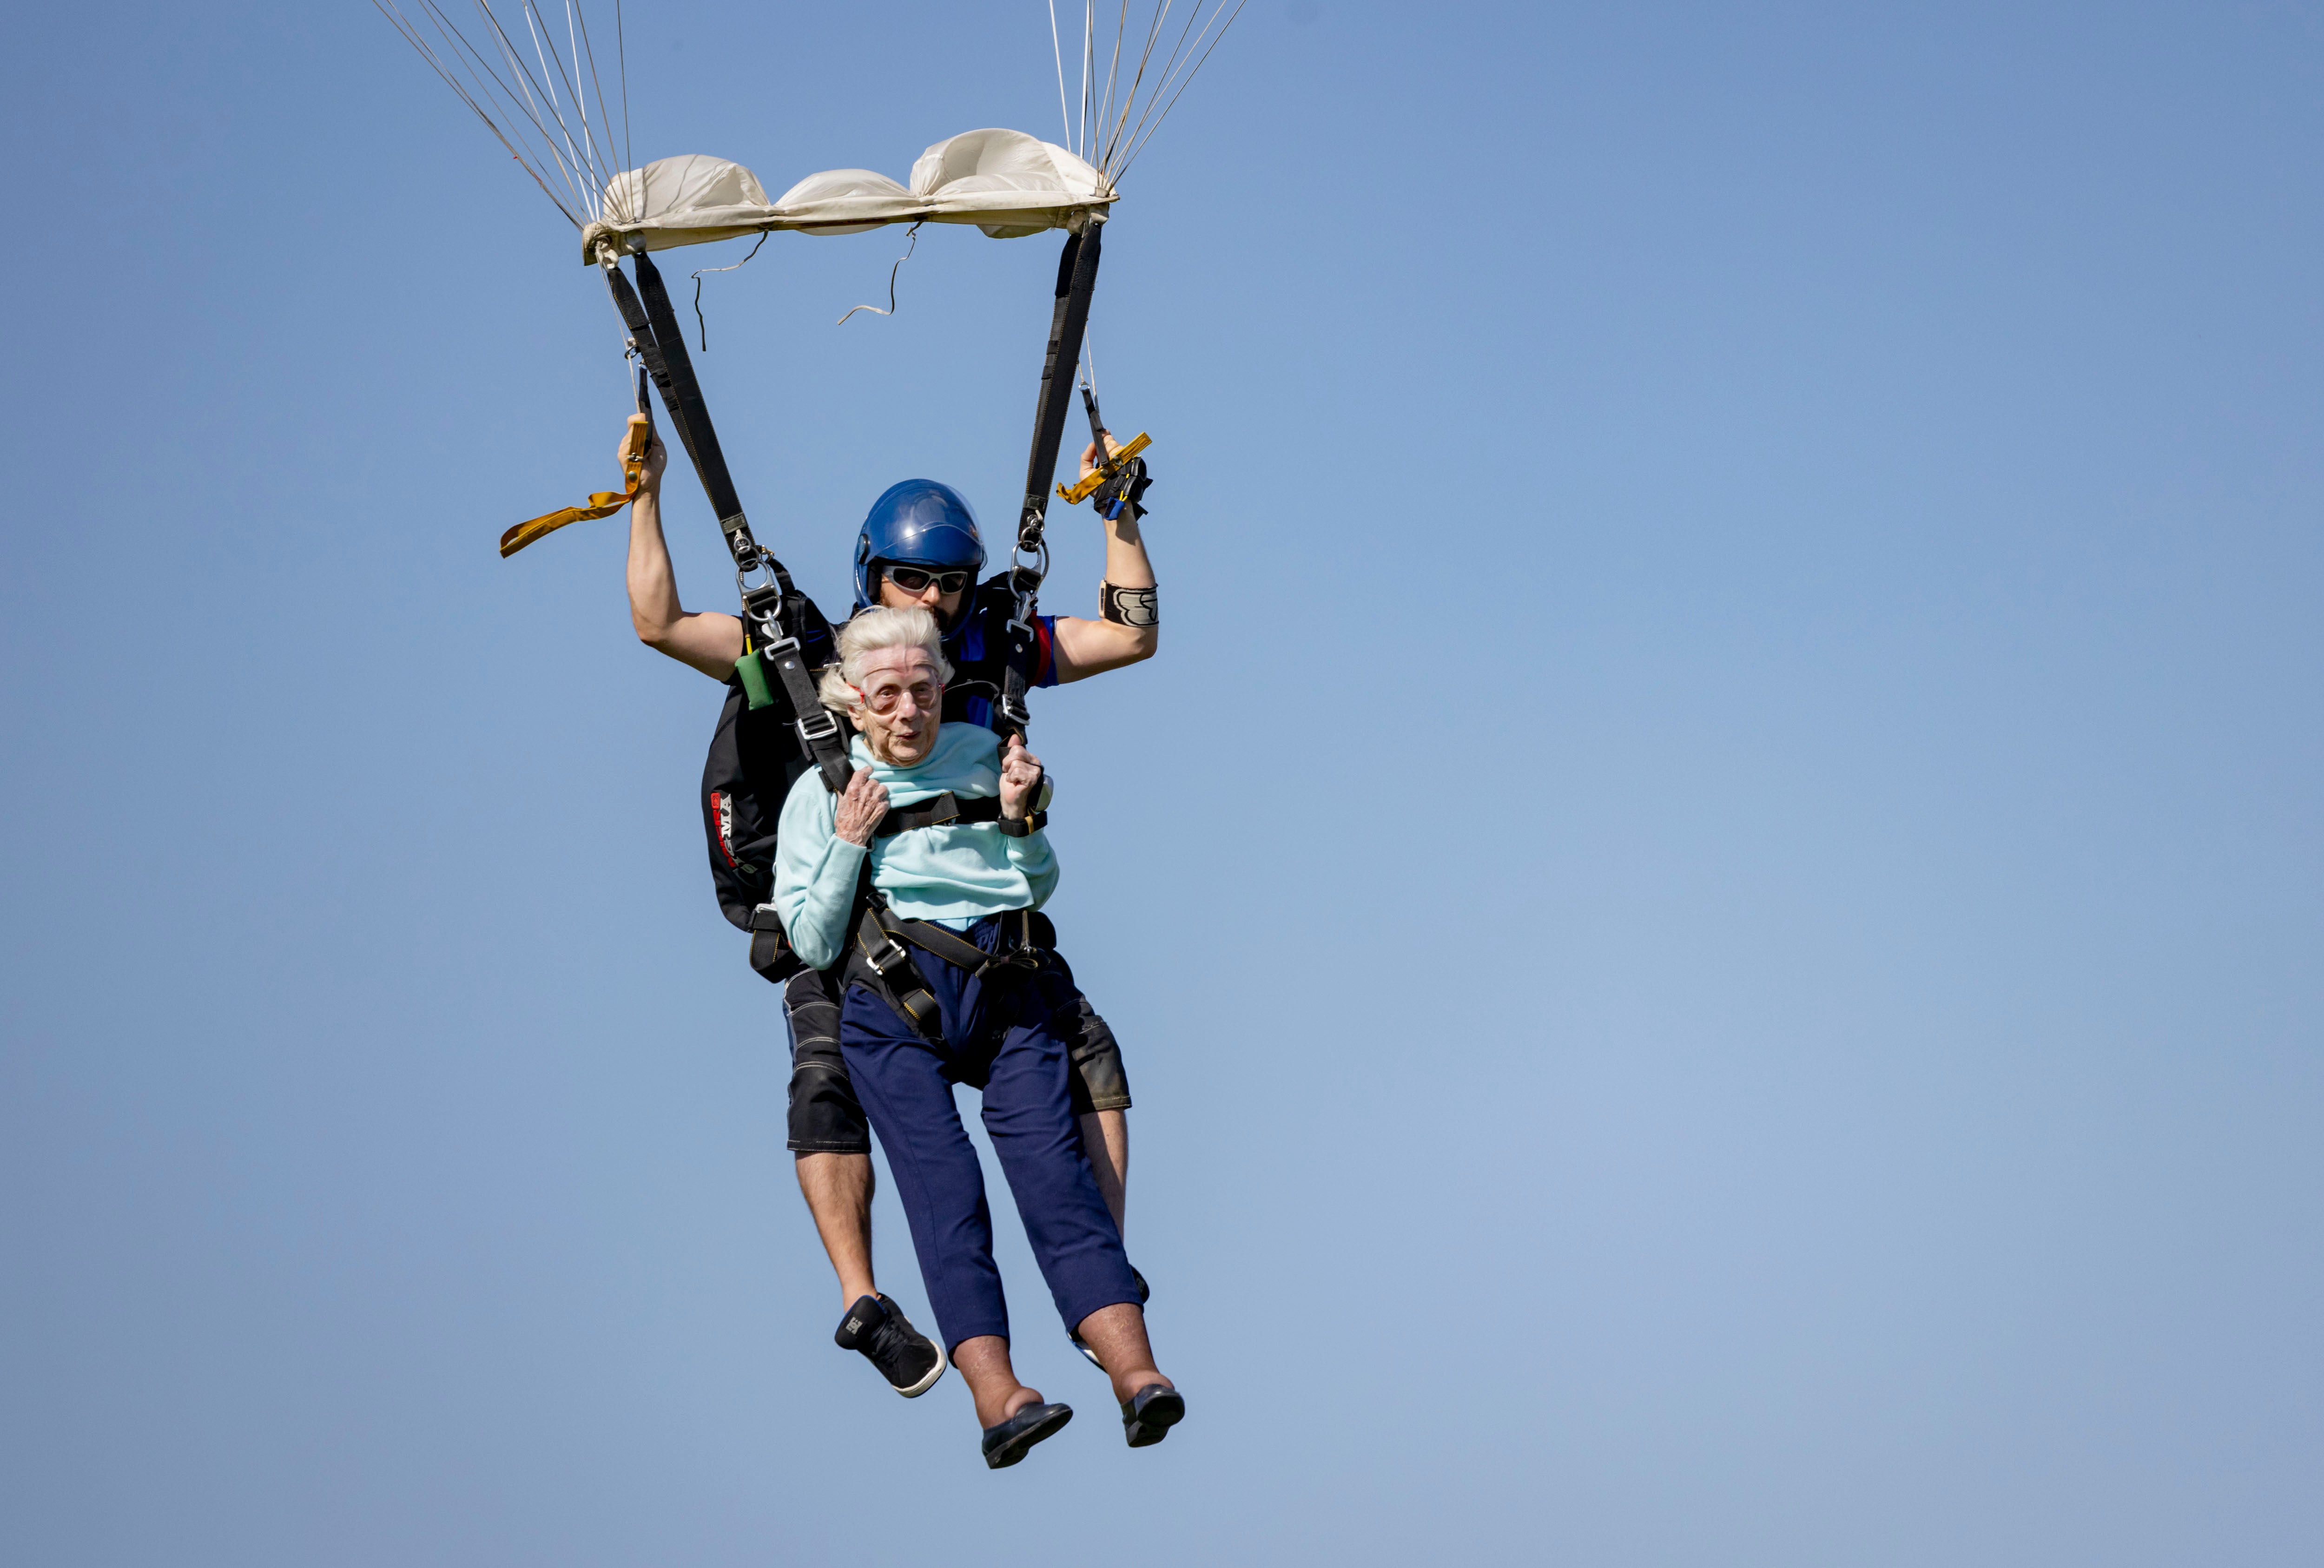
(954, 875)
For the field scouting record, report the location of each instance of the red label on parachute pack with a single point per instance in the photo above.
(723, 806)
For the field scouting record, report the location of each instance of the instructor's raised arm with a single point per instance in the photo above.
(1130, 631)
(707, 641)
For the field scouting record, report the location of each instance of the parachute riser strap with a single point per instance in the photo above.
(771, 608)
(1068, 319)
(648, 349)
(669, 338)
(655, 335)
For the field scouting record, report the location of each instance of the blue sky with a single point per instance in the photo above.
(1713, 901)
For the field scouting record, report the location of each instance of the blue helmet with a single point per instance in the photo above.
(919, 522)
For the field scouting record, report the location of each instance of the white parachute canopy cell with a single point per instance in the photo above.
(554, 91)
(1006, 182)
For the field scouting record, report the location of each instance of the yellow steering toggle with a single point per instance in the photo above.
(1105, 470)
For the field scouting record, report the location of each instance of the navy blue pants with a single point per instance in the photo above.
(997, 1036)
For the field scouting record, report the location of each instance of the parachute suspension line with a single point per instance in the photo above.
(1154, 34)
(621, 57)
(573, 15)
(549, 90)
(1116, 119)
(1089, 36)
(1144, 132)
(1057, 53)
(699, 321)
(572, 94)
(913, 235)
(601, 156)
(585, 157)
(1144, 54)
(1114, 71)
(579, 174)
(531, 106)
(531, 94)
(411, 35)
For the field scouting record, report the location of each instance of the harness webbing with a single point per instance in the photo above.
(771, 608)
(947, 810)
(1068, 318)
(882, 962)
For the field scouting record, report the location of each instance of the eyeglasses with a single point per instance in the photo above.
(915, 579)
(883, 700)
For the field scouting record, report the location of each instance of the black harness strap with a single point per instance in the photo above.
(771, 606)
(939, 811)
(879, 959)
(886, 966)
(770, 945)
(947, 810)
(883, 966)
(1068, 319)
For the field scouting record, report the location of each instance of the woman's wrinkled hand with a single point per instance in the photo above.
(861, 809)
(1020, 773)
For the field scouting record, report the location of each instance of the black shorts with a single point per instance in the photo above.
(825, 1117)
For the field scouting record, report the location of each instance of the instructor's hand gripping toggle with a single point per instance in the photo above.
(1108, 469)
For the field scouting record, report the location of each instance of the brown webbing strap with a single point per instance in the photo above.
(602, 502)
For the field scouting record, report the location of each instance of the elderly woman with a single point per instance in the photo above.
(938, 995)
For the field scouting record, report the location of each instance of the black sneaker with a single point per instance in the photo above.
(1010, 1441)
(905, 1357)
(1089, 1355)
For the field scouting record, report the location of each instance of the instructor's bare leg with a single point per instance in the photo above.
(838, 1192)
(984, 1361)
(1106, 1135)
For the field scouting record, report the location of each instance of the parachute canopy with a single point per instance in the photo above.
(1006, 182)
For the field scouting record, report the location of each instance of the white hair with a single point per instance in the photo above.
(870, 632)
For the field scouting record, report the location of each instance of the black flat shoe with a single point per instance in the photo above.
(1148, 1416)
(1008, 1443)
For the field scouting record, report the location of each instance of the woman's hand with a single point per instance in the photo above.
(862, 808)
(1020, 771)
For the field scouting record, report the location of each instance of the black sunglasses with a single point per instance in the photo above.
(915, 579)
